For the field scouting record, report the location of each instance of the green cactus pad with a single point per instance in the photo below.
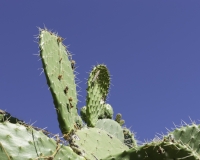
(98, 86)
(58, 69)
(18, 142)
(129, 138)
(157, 151)
(112, 127)
(94, 143)
(188, 135)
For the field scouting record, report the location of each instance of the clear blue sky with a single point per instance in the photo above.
(152, 49)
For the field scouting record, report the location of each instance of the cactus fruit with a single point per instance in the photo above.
(58, 67)
(119, 119)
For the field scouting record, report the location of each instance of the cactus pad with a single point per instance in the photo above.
(18, 142)
(112, 127)
(188, 135)
(94, 143)
(58, 68)
(98, 86)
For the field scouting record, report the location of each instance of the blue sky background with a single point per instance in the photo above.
(152, 49)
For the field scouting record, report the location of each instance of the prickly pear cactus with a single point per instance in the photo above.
(101, 136)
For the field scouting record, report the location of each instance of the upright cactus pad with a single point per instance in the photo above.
(98, 87)
(58, 67)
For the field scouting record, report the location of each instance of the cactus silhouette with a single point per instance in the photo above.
(93, 135)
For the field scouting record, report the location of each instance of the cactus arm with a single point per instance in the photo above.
(60, 78)
(98, 86)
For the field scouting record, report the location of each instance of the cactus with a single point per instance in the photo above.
(93, 136)
(98, 86)
(58, 67)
